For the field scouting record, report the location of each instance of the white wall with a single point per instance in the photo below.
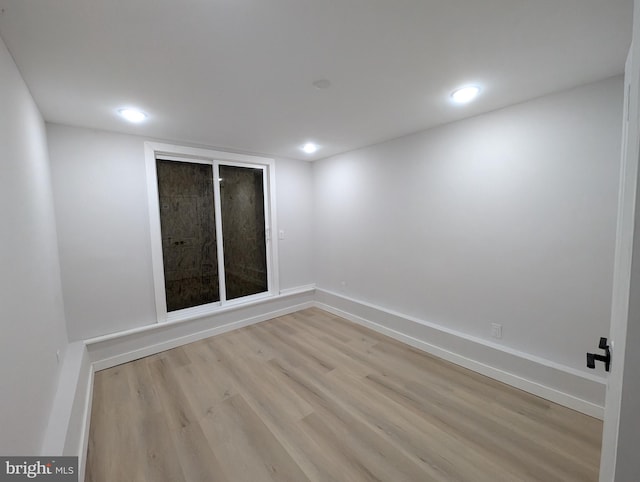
(295, 210)
(103, 227)
(31, 310)
(504, 218)
(103, 230)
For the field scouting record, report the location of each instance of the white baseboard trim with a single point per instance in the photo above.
(297, 290)
(563, 385)
(128, 346)
(83, 435)
(62, 414)
(68, 430)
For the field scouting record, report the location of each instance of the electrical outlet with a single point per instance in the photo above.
(496, 330)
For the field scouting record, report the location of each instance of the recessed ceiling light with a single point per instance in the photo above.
(322, 84)
(310, 148)
(465, 94)
(132, 115)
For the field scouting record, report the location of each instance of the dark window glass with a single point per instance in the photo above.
(187, 218)
(243, 230)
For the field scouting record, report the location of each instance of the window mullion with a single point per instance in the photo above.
(267, 227)
(219, 240)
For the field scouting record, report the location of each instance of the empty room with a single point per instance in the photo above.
(307, 240)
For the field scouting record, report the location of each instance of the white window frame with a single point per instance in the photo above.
(155, 150)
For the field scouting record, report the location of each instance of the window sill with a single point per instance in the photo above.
(211, 309)
(202, 312)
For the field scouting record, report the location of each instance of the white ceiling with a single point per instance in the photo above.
(238, 74)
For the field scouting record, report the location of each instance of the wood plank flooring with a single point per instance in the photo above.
(313, 397)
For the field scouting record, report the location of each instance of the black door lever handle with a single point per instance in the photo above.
(606, 358)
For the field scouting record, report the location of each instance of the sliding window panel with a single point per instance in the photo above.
(187, 219)
(243, 230)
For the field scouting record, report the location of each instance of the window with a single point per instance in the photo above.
(211, 215)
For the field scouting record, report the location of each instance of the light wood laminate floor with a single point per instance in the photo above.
(312, 397)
